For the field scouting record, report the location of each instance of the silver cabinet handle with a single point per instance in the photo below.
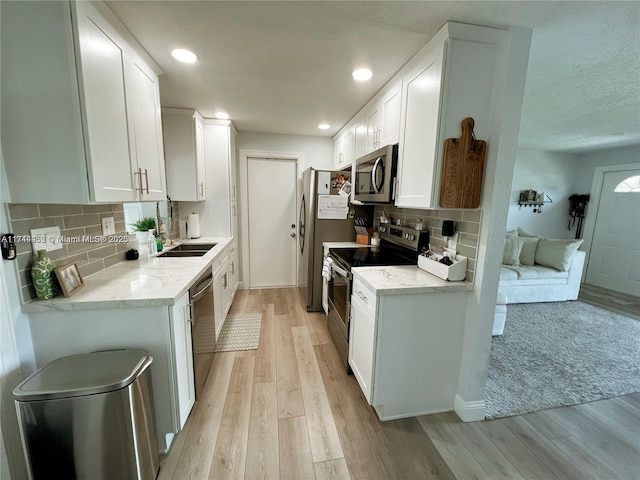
(362, 296)
(233, 268)
(225, 281)
(202, 189)
(188, 312)
(146, 176)
(139, 174)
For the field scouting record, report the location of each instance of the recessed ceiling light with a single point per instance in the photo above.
(222, 115)
(183, 55)
(324, 126)
(362, 74)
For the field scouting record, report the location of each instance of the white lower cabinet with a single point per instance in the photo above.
(405, 350)
(362, 346)
(221, 293)
(181, 340)
(164, 331)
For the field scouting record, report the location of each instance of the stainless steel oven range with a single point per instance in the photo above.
(399, 246)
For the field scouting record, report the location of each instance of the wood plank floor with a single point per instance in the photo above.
(288, 410)
(617, 302)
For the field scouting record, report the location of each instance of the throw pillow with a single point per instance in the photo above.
(512, 249)
(556, 253)
(528, 253)
(524, 233)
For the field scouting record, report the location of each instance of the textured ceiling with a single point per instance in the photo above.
(284, 67)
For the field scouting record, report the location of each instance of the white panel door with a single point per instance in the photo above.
(272, 213)
(614, 262)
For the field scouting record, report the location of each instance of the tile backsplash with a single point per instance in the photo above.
(81, 230)
(466, 222)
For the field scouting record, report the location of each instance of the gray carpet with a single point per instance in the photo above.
(241, 331)
(561, 353)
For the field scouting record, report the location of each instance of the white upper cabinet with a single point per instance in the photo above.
(376, 125)
(345, 150)
(184, 153)
(94, 133)
(421, 102)
(450, 79)
(220, 159)
(383, 119)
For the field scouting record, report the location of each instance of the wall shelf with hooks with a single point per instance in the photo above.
(531, 198)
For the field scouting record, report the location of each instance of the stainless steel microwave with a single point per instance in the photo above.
(375, 175)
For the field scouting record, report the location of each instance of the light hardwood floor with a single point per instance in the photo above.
(288, 410)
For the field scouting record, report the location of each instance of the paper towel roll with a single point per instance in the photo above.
(193, 226)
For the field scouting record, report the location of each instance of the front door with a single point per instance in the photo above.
(614, 262)
(273, 222)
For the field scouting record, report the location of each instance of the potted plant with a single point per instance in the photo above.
(141, 227)
(144, 224)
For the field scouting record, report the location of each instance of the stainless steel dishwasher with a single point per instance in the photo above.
(204, 328)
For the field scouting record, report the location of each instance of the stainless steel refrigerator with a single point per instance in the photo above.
(323, 218)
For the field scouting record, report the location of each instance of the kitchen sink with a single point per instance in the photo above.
(194, 246)
(188, 250)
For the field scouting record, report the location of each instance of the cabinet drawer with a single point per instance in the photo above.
(365, 295)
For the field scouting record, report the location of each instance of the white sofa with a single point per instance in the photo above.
(537, 283)
(537, 269)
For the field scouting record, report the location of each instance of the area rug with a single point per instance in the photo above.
(240, 331)
(561, 353)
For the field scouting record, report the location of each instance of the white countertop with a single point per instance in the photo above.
(405, 280)
(137, 283)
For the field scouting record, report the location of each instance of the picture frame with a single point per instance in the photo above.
(69, 279)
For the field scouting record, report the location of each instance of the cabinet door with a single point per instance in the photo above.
(183, 358)
(338, 149)
(103, 95)
(348, 149)
(144, 101)
(390, 123)
(360, 140)
(362, 344)
(373, 129)
(221, 295)
(417, 169)
(200, 167)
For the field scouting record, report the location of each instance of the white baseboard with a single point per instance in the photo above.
(469, 411)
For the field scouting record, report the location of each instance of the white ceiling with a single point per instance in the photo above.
(285, 67)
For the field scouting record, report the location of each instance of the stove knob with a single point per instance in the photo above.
(412, 237)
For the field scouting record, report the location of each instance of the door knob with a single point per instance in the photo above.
(293, 234)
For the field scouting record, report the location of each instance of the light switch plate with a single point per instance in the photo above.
(108, 226)
(47, 238)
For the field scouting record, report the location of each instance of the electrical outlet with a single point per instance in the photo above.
(108, 226)
(47, 238)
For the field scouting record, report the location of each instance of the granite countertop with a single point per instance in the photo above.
(137, 283)
(405, 280)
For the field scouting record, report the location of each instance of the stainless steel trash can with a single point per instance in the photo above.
(90, 416)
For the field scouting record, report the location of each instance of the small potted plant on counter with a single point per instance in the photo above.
(141, 228)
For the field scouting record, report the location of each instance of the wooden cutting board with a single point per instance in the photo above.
(462, 168)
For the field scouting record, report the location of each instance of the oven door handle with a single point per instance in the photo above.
(340, 271)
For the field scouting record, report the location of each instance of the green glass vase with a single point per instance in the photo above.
(43, 276)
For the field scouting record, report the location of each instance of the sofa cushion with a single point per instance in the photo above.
(512, 249)
(556, 253)
(536, 272)
(528, 252)
(508, 274)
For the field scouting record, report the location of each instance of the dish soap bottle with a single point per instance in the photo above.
(151, 243)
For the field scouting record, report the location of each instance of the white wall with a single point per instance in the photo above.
(318, 151)
(610, 156)
(551, 173)
(16, 352)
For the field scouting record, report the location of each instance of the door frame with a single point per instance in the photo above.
(243, 183)
(594, 201)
